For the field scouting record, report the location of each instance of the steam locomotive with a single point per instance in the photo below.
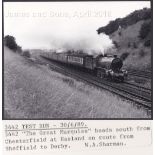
(103, 66)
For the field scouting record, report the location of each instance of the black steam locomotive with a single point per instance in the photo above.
(103, 66)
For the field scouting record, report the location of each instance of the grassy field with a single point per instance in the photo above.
(34, 91)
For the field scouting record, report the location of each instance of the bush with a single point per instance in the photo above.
(116, 44)
(26, 54)
(134, 45)
(10, 42)
(145, 30)
(19, 49)
(142, 53)
(119, 33)
(147, 43)
(124, 55)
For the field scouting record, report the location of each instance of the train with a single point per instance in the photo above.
(102, 66)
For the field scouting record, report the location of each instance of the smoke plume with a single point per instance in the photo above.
(85, 41)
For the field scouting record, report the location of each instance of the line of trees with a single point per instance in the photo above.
(131, 19)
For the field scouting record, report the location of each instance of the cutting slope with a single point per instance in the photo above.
(132, 38)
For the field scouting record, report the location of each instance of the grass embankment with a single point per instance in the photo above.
(34, 91)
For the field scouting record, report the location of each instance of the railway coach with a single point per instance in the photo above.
(50, 55)
(82, 60)
(62, 57)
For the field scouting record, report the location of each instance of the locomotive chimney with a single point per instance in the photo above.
(115, 56)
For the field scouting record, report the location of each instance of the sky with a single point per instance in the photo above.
(51, 24)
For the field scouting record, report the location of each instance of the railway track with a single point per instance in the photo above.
(140, 96)
(143, 74)
(138, 86)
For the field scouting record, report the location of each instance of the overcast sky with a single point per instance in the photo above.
(34, 24)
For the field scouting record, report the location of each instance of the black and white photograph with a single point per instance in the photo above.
(77, 60)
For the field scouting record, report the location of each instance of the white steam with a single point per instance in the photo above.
(86, 41)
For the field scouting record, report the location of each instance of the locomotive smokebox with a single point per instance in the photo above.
(116, 64)
(110, 62)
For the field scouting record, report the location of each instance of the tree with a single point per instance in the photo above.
(124, 55)
(10, 42)
(145, 30)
